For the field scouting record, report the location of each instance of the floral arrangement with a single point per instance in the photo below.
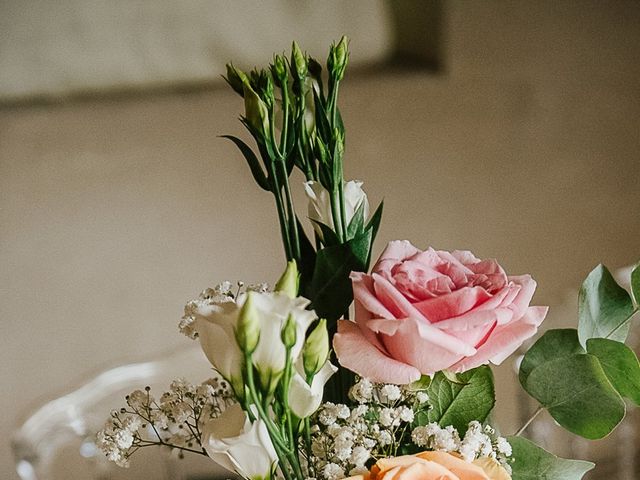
(403, 390)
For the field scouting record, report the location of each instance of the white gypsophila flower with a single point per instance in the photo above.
(447, 439)
(258, 287)
(320, 204)
(390, 393)
(332, 471)
(342, 411)
(503, 446)
(422, 397)
(406, 414)
(388, 417)
(362, 391)
(359, 456)
(385, 438)
(138, 400)
(221, 293)
(327, 414)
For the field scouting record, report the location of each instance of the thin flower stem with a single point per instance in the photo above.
(528, 422)
(164, 444)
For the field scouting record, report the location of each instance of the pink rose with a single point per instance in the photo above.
(421, 312)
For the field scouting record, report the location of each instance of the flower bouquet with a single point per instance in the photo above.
(403, 390)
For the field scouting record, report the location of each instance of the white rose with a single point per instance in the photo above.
(239, 445)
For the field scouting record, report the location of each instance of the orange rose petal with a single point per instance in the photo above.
(464, 470)
(427, 471)
(492, 468)
(390, 474)
(386, 463)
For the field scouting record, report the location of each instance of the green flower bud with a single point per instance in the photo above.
(289, 282)
(256, 111)
(289, 332)
(247, 329)
(338, 58)
(279, 70)
(299, 62)
(236, 78)
(316, 349)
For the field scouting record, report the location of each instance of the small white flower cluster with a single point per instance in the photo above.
(175, 420)
(343, 439)
(221, 293)
(477, 442)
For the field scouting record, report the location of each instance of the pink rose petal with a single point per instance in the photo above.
(357, 354)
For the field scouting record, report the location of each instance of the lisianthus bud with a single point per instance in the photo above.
(338, 58)
(256, 110)
(299, 62)
(289, 282)
(289, 334)
(236, 78)
(248, 328)
(316, 349)
(279, 70)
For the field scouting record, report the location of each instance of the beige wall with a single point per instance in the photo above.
(113, 213)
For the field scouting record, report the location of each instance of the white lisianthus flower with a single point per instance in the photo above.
(305, 399)
(320, 203)
(273, 309)
(216, 323)
(239, 445)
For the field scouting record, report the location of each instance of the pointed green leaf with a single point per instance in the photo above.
(553, 344)
(620, 365)
(329, 237)
(373, 226)
(252, 160)
(530, 462)
(577, 394)
(357, 222)
(635, 284)
(471, 397)
(604, 307)
(331, 292)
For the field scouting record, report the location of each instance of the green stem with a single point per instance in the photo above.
(528, 422)
(294, 240)
(284, 227)
(285, 118)
(336, 214)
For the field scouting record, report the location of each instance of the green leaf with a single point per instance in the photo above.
(577, 394)
(252, 160)
(635, 284)
(329, 237)
(421, 384)
(553, 344)
(357, 222)
(374, 225)
(307, 262)
(604, 307)
(331, 292)
(620, 365)
(534, 463)
(472, 397)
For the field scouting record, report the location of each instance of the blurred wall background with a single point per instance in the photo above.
(118, 202)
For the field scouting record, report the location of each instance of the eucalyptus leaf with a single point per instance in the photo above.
(471, 397)
(530, 462)
(331, 290)
(635, 284)
(553, 344)
(576, 392)
(604, 307)
(253, 162)
(620, 365)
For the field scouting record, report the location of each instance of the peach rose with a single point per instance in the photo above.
(424, 311)
(434, 466)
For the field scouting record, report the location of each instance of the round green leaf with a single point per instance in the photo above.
(470, 397)
(531, 462)
(604, 307)
(553, 344)
(578, 395)
(620, 365)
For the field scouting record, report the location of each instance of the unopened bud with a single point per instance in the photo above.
(256, 110)
(289, 332)
(338, 58)
(279, 70)
(247, 329)
(299, 62)
(236, 78)
(289, 282)
(316, 349)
